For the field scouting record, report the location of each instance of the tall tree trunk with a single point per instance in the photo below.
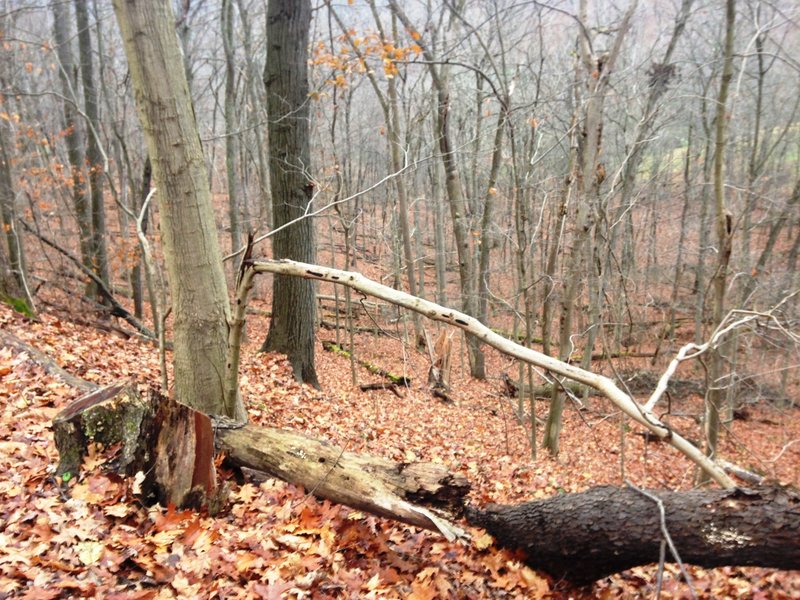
(455, 192)
(596, 71)
(724, 227)
(231, 137)
(257, 102)
(95, 161)
(136, 273)
(13, 272)
(63, 36)
(191, 246)
(286, 79)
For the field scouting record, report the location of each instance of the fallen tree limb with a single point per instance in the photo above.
(583, 537)
(48, 364)
(388, 385)
(401, 491)
(579, 536)
(117, 310)
(604, 385)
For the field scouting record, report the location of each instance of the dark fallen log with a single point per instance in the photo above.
(371, 387)
(173, 446)
(584, 537)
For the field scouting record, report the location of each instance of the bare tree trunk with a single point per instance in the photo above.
(255, 94)
(95, 161)
(69, 84)
(231, 137)
(724, 227)
(13, 272)
(191, 246)
(286, 79)
(455, 192)
(596, 73)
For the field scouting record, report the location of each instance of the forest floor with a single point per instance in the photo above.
(276, 541)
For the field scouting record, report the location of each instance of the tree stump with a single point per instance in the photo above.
(170, 443)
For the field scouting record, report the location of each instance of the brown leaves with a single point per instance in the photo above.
(275, 540)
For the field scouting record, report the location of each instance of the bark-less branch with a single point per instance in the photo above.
(434, 311)
(728, 325)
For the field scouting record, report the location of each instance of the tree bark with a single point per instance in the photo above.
(13, 270)
(173, 445)
(191, 246)
(724, 227)
(459, 209)
(62, 34)
(232, 137)
(583, 537)
(286, 79)
(94, 157)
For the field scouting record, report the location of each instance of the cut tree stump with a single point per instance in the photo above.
(584, 537)
(171, 444)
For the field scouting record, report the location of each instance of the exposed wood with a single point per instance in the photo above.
(583, 537)
(602, 384)
(171, 444)
(407, 492)
(439, 371)
(109, 415)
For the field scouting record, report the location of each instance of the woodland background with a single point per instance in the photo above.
(603, 219)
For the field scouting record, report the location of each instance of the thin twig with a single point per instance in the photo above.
(667, 537)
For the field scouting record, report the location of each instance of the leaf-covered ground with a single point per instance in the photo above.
(276, 541)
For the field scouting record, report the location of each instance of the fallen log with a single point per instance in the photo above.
(371, 387)
(48, 364)
(173, 446)
(579, 537)
(407, 492)
(584, 537)
(372, 368)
